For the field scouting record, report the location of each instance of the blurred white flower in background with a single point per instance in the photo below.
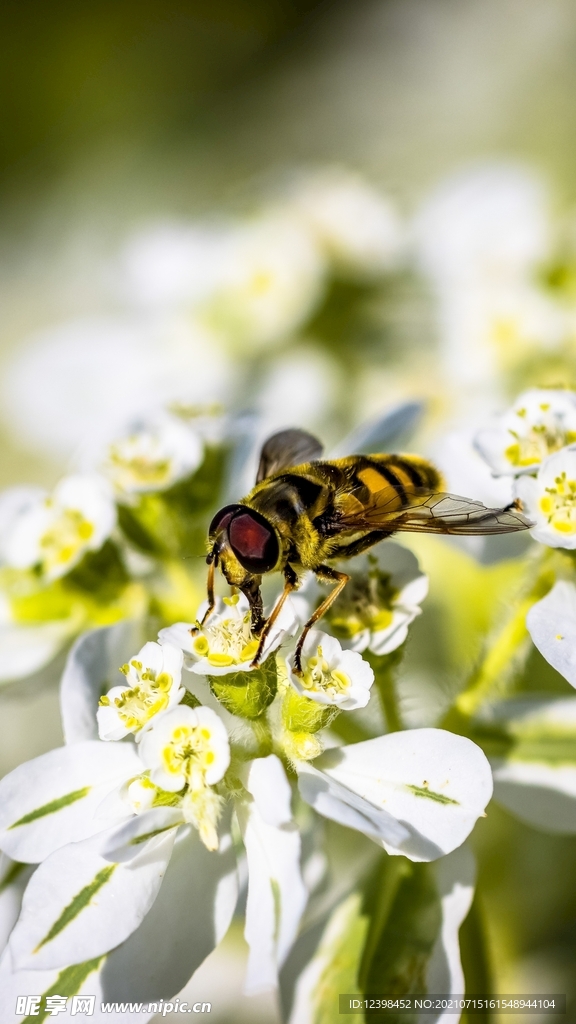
(479, 239)
(271, 278)
(357, 227)
(152, 455)
(78, 383)
(55, 532)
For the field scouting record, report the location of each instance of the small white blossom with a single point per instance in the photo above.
(225, 643)
(331, 675)
(186, 746)
(540, 422)
(57, 530)
(359, 229)
(551, 623)
(272, 276)
(152, 455)
(152, 685)
(550, 500)
(378, 604)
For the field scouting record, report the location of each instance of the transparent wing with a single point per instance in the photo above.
(287, 448)
(431, 513)
(387, 433)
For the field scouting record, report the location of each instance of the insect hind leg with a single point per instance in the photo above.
(324, 572)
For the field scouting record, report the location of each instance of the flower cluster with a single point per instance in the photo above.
(158, 768)
(534, 442)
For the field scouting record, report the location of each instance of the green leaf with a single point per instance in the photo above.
(405, 919)
(475, 961)
(52, 807)
(339, 955)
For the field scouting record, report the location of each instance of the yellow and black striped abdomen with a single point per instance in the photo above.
(406, 475)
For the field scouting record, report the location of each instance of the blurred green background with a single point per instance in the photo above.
(114, 112)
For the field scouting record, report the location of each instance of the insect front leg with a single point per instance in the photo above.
(251, 590)
(212, 560)
(324, 572)
(290, 584)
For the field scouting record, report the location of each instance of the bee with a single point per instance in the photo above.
(305, 513)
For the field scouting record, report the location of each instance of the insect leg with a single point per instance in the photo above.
(290, 584)
(251, 590)
(325, 573)
(212, 560)
(358, 546)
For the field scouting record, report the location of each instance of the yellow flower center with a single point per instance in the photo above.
(559, 505)
(228, 641)
(538, 441)
(318, 677)
(65, 539)
(140, 702)
(189, 753)
(367, 603)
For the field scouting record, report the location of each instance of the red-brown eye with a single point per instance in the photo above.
(253, 541)
(222, 519)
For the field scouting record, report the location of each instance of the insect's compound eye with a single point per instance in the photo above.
(253, 541)
(222, 519)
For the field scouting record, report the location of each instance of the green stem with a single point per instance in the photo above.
(476, 961)
(384, 672)
(499, 657)
(263, 735)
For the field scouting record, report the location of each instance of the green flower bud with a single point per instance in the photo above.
(247, 694)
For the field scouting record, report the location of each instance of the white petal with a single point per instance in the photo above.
(266, 781)
(78, 905)
(75, 780)
(92, 666)
(126, 842)
(14, 878)
(433, 783)
(26, 649)
(552, 625)
(14, 983)
(190, 916)
(536, 778)
(542, 795)
(455, 877)
(276, 893)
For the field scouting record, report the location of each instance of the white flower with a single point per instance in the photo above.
(152, 686)
(550, 500)
(331, 675)
(272, 276)
(358, 227)
(276, 893)
(171, 264)
(57, 530)
(186, 746)
(76, 385)
(490, 222)
(380, 601)
(152, 455)
(539, 423)
(551, 623)
(225, 643)
(417, 793)
(480, 236)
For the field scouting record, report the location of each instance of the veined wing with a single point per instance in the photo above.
(285, 449)
(418, 512)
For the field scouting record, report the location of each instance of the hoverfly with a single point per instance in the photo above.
(305, 512)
